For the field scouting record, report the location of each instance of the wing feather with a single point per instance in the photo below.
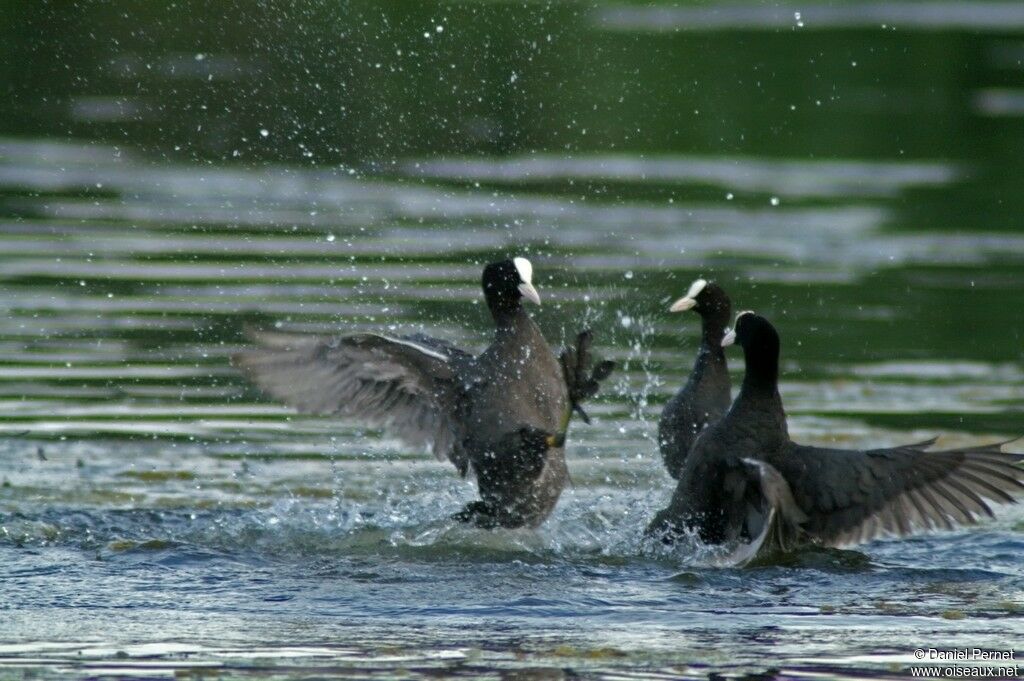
(854, 496)
(409, 385)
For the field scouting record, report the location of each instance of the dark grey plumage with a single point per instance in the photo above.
(706, 395)
(407, 385)
(746, 481)
(474, 411)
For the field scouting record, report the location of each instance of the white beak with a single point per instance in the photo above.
(530, 293)
(683, 304)
(729, 338)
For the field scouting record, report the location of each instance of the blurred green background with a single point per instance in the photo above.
(368, 84)
(851, 168)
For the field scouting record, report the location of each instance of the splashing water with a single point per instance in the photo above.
(162, 518)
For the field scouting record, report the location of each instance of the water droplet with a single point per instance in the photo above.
(264, 132)
(774, 201)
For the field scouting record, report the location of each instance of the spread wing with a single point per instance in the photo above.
(408, 385)
(853, 496)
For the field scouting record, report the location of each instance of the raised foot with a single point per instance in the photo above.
(582, 376)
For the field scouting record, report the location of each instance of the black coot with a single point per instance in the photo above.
(705, 397)
(745, 481)
(490, 413)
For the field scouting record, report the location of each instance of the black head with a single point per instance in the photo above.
(707, 299)
(506, 283)
(760, 343)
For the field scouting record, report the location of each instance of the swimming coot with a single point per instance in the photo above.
(745, 481)
(705, 397)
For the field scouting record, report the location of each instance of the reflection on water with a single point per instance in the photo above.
(914, 16)
(800, 179)
(158, 517)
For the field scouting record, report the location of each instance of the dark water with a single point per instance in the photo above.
(169, 174)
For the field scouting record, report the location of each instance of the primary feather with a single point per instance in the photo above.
(407, 385)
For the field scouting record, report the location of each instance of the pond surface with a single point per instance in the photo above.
(171, 176)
